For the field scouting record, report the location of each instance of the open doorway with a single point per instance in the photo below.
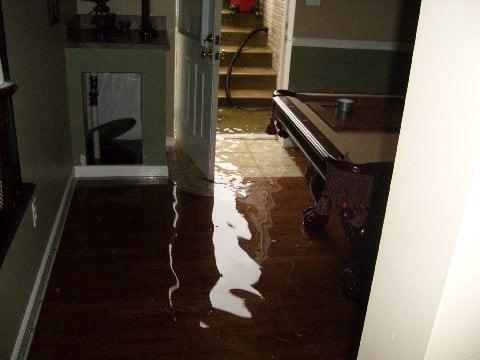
(241, 58)
(251, 68)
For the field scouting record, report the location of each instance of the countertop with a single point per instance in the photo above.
(131, 41)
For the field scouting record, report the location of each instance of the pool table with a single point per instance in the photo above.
(351, 159)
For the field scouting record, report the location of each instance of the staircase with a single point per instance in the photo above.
(253, 79)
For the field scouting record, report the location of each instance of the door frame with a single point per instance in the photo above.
(283, 78)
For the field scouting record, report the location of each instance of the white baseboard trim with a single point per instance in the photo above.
(246, 136)
(27, 328)
(351, 44)
(116, 171)
(170, 143)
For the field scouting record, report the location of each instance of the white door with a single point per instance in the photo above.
(197, 62)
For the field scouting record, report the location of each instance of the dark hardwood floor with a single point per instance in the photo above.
(148, 272)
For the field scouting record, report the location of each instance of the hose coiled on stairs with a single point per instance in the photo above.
(228, 82)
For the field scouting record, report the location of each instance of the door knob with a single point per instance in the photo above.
(206, 53)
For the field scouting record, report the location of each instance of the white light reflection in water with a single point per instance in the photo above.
(175, 287)
(238, 271)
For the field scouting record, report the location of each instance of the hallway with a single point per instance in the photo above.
(148, 271)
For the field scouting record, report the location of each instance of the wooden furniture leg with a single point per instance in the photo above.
(313, 219)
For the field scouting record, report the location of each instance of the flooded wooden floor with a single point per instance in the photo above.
(155, 272)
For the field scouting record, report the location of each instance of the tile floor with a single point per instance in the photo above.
(256, 158)
(236, 121)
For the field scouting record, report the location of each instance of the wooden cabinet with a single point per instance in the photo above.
(9, 183)
(14, 195)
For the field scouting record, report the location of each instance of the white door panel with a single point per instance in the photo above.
(197, 82)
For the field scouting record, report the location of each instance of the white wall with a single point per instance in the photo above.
(420, 284)
(456, 329)
(37, 65)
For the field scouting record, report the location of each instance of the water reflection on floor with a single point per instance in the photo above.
(256, 158)
(194, 269)
(238, 271)
(234, 121)
(236, 160)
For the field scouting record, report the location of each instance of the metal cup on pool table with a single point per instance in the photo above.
(345, 105)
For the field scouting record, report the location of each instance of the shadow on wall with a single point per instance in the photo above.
(408, 21)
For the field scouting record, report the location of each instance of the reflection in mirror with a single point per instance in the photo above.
(113, 118)
(175, 286)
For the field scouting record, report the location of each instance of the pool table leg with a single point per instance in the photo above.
(313, 219)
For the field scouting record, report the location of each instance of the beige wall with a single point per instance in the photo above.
(369, 20)
(36, 56)
(274, 15)
(159, 8)
(457, 325)
(424, 299)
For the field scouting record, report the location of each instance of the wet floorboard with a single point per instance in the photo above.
(152, 272)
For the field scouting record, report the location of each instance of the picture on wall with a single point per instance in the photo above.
(53, 11)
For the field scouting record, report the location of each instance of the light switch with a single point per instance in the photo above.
(313, 2)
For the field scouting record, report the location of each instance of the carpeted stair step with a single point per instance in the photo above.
(241, 20)
(250, 56)
(236, 36)
(261, 78)
(247, 97)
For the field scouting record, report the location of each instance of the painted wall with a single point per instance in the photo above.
(385, 20)
(323, 69)
(150, 64)
(37, 64)
(424, 299)
(345, 46)
(159, 8)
